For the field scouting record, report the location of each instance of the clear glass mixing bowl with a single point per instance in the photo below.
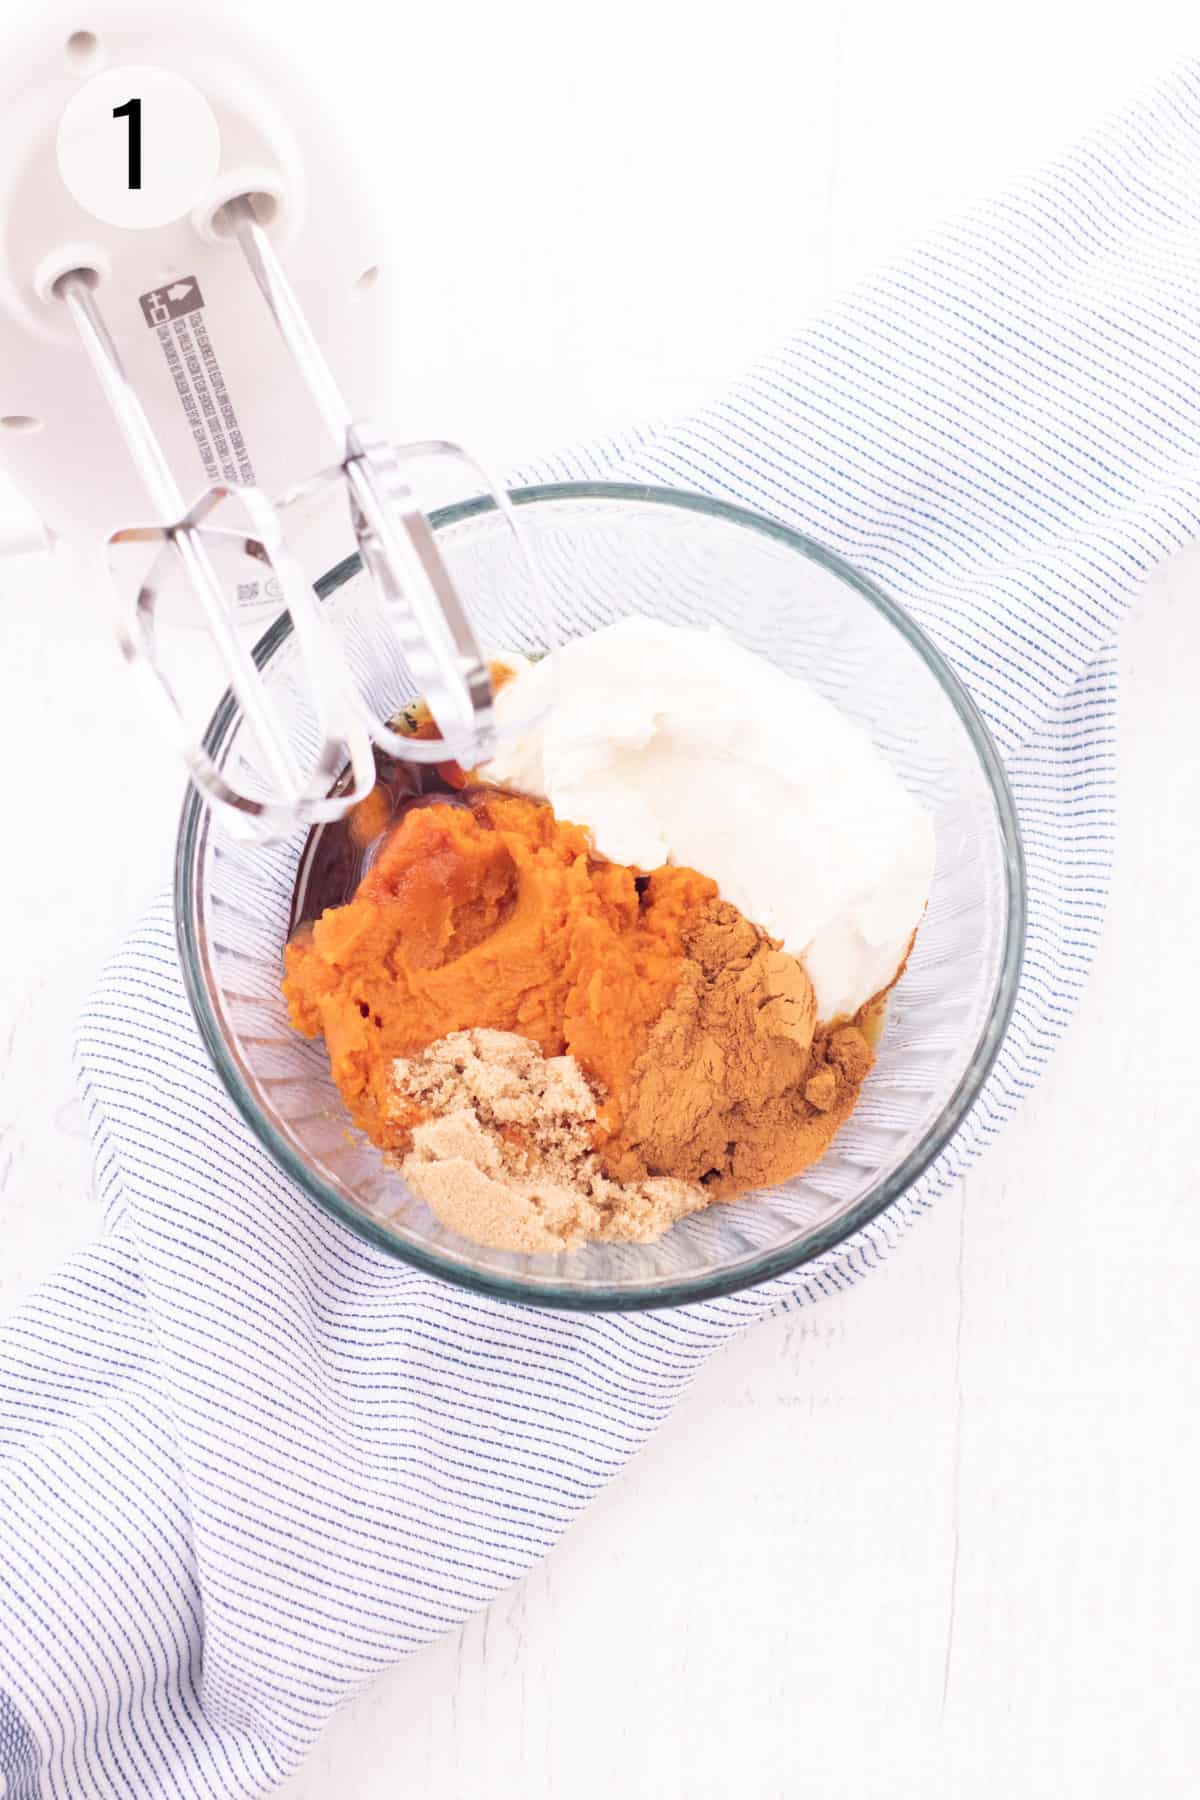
(604, 551)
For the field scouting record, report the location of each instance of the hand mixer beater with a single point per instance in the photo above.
(196, 326)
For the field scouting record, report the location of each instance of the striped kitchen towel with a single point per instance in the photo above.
(245, 1460)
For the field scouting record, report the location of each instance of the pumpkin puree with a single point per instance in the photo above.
(490, 913)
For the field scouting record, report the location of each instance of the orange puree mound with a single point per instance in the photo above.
(494, 915)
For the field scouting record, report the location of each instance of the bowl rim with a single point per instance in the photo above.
(685, 1289)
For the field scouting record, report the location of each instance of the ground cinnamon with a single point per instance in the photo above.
(738, 1086)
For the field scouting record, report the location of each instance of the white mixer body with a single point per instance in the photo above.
(198, 345)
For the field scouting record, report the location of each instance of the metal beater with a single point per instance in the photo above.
(176, 340)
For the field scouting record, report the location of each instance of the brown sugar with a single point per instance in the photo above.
(506, 1156)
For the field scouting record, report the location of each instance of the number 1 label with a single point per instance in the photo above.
(132, 110)
(138, 146)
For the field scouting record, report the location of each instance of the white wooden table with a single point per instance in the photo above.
(936, 1537)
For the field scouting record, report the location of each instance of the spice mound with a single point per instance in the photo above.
(557, 1048)
(507, 1153)
(738, 1087)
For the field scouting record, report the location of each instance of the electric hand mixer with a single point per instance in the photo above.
(169, 389)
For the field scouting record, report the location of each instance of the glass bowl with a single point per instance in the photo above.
(605, 550)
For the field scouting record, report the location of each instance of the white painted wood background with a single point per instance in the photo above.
(934, 1538)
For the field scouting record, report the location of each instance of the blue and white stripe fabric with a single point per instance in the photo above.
(245, 1460)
